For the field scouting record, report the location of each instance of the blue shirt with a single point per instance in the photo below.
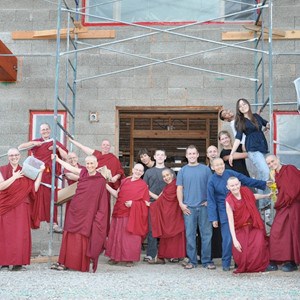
(255, 138)
(194, 181)
(217, 192)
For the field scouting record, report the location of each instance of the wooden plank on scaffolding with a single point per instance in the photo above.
(247, 35)
(51, 34)
(258, 28)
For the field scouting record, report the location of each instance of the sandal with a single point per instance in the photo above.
(54, 266)
(189, 266)
(4, 268)
(61, 268)
(18, 268)
(112, 262)
(174, 260)
(129, 264)
(157, 261)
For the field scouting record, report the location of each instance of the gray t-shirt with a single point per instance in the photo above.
(153, 178)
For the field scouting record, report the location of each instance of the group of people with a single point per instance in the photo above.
(167, 210)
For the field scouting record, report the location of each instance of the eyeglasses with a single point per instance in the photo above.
(12, 155)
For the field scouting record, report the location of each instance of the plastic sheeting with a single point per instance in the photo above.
(160, 11)
(287, 137)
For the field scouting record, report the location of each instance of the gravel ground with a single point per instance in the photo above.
(144, 281)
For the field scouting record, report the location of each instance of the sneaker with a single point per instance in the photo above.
(226, 269)
(289, 267)
(147, 258)
(57, 229)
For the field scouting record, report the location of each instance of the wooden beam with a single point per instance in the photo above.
(247, 35)
(43, 259)
(51, 34)
(258, 28)
(8, 65)
(167, 134)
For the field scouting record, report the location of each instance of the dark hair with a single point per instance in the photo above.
(192, 147)
(143, 151)
(240, 118)
(220, 115)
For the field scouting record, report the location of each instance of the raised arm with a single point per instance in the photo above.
(66, 165)
(85, 149)
(29, 145)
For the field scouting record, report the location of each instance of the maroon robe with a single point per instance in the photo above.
(129, 224)
(15, 234)
(70, 181)
(168, 223)
(114, 165)
(41, 207)
(250, 232)
(86, 224)
(285, 230)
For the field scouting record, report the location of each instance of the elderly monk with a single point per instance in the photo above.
(105, 158)
(167, 222)
(86, 220)
(42, 149)
(129, 222)
(70, 177)
(285, 230)
(250, 247)
(17, 193)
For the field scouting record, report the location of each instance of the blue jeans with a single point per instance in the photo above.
(226, 245)
(263, 173)
(151, 241)
(198, 217)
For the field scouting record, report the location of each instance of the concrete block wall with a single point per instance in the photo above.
(156, 85)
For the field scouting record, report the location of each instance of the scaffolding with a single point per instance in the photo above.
(66, 77)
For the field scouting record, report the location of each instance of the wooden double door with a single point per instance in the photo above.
(168, 128)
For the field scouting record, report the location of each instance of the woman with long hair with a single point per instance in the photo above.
(256, 145)
(239, 163)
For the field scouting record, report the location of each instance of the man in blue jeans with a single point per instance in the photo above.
(191, 184)
(153, 178)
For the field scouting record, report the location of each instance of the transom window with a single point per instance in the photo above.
(166, 12)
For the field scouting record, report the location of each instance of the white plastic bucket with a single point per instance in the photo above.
(31, 167)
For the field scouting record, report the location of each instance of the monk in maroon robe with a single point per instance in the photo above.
(105, 158)
(129, 224)
(16, 194)
(86, 221)
(167, 221)
(285, 230)
(250, 248)
(42, 150)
